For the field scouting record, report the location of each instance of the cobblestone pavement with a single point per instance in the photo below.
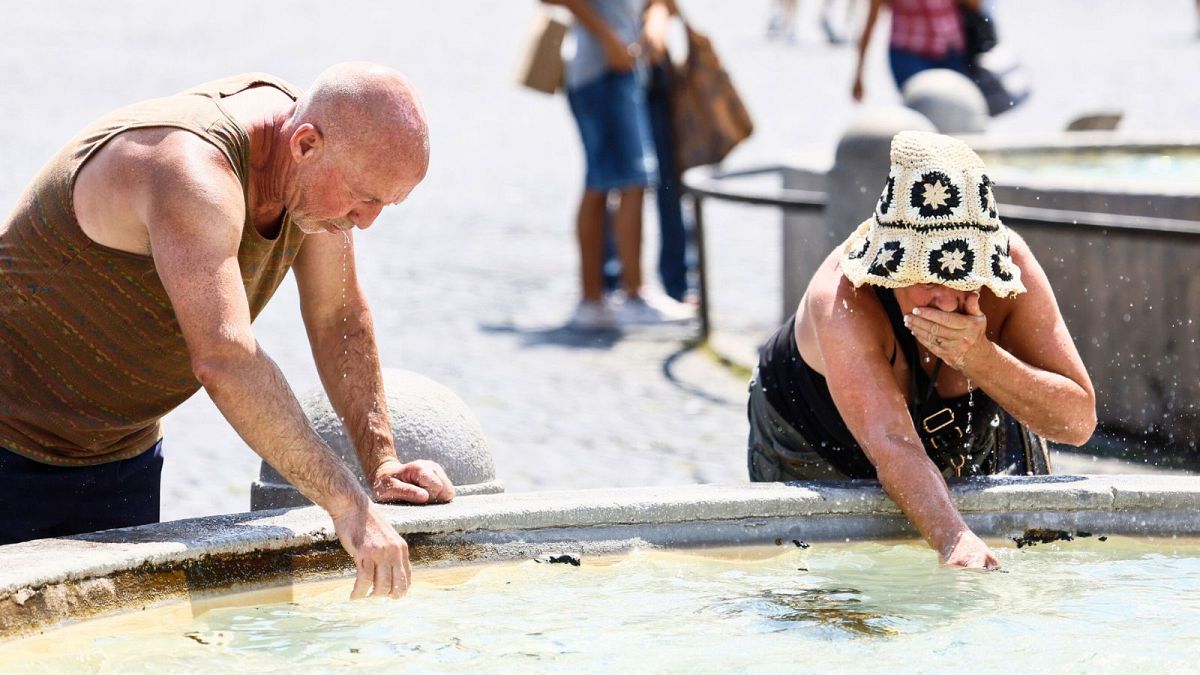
(472, 279)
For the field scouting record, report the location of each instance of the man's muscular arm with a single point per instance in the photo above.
(194, 209)
(342, 335)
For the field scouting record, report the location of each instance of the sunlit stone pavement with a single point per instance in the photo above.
(472, 279)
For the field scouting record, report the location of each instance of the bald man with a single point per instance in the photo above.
(130, 272)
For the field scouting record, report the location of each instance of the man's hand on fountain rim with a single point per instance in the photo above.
(418, 482)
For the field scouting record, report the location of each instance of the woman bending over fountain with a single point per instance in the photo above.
(928, 345)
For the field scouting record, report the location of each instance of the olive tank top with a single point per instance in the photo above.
(91, 353)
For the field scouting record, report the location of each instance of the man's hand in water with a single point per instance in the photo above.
(380, 553)
(970, 552)
(955, 338)
(418, 482)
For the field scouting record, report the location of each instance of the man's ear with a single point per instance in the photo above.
(306, 142)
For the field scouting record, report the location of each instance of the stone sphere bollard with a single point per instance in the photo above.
(949, 99)
(428, 421)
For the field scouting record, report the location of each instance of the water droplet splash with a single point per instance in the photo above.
(970, 413)
(346, 242)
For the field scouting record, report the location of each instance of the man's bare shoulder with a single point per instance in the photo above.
(175, 163)
(154, 174)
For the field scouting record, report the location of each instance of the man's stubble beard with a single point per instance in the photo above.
(309, 226)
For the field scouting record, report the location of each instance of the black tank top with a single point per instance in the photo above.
(958, 433)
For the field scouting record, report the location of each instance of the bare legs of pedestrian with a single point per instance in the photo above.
(633, 306)
(590, 230)
(628, 226)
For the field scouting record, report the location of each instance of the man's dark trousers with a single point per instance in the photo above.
(42, 500)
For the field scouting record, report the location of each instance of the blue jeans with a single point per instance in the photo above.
(673, 262)
(906, 64)
(615, 129)
(672, 254)
(44, 500)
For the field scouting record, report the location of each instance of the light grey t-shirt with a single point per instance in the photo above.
(588, 62)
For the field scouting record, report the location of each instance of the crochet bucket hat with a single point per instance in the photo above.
(936, 222)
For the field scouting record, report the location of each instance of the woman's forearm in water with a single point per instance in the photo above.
(920, 491)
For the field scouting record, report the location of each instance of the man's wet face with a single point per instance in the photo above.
(326, 202)
(346, 188)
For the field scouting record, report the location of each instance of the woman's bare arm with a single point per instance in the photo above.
(851, 332)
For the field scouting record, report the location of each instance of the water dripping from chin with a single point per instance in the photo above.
(309, 226)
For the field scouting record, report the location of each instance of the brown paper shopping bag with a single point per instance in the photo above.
(542, 68)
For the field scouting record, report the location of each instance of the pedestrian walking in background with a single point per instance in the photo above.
(781, 20)
(925, 34)
(606, 77)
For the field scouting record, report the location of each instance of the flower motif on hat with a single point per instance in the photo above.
(952, 261)
(1002, 262)
(888, 259)
(987, 201)
(885, 199)
(862, 250)
(934, 195)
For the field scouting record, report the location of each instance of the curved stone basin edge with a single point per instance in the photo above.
(47, 581)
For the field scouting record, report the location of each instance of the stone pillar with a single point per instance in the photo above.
(853, 185)
(949, 99)
(428, 421)
(806, 240)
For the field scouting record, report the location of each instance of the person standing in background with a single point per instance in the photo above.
(672, 254)
(606, 89)
(781, 20)
(926, 34)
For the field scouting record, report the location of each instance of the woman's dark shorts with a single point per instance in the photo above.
(777, 452)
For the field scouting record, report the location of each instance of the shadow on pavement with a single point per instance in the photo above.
(672, 372)
(560, 336)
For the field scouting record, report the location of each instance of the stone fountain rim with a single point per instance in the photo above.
(47, 581)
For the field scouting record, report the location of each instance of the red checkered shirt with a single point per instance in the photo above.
(927, 27)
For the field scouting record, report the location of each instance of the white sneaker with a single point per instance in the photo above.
(593, 315)
(652, 308)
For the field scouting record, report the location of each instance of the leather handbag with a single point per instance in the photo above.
(708, 115)
(1001, 77)
(979, 31)
(542, 67)
(992, 66)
